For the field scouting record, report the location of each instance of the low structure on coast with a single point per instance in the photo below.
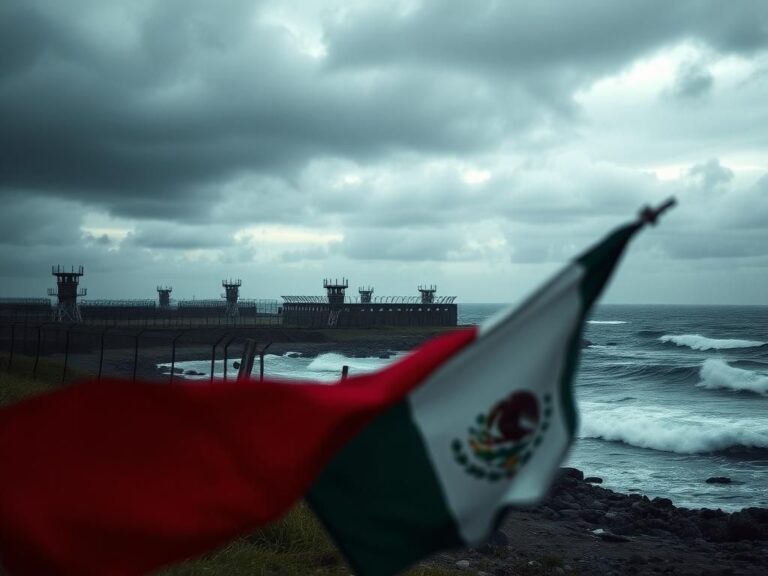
(337, 310)
(334, 310)
(65, 305)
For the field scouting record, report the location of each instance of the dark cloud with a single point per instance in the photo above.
(535, 39)
(141, 138)
(693, 80)
(710, 175)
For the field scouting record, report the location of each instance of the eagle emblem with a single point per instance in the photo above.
(503, 440)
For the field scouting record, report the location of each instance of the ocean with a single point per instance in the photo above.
(668, 396)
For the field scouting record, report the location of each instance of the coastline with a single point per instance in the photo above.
(582, 528)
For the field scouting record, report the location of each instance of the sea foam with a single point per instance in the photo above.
(717, 374)
(606, 322)
(699, 342)
(669, 430)
(333, 362)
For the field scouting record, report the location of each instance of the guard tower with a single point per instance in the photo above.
(231, 293)
(164, 296)
(335, 291)
(427, 294)
(366, 294)
(67, 292)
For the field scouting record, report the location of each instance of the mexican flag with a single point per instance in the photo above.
(486, 430)
(122, 478)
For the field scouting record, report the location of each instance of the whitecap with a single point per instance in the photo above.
(606, 322)
(333, 362)
(668, 430)
(717, 374)
(699, 342)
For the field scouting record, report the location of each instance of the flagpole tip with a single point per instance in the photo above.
(649, 215)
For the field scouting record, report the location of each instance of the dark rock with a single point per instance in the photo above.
(574, 473)
(570, 514)
(708, 513)
(718, 480)
(585, 343)
(662, 503)
(178, 371)
(593, 480)
(611, 537)
(715, 530)
(591, 516)
(742, 526)
(236, 365)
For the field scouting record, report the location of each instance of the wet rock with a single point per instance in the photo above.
(462, 564)
(591, 516)
(585, 343)
(662, 503)
(572, 473)
(742, 526)
(607, 536)
(236, 365)
(593, 480)
(718, 480)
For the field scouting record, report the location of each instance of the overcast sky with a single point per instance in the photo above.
(473, 145)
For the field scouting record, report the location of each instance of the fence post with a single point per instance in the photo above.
(213, 353)
(261, 361)
(37, 350)
(66, 353)
(344, 372)
(10, 352)
(101, 352)
(173, 355)
(136, 353)
(246, 362)
(226, 347)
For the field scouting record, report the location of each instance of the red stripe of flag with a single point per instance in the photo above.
(121, 478)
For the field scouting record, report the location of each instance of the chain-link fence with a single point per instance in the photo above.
(147, 314)
(129, 352)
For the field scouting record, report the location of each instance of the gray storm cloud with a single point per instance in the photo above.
(154, 135)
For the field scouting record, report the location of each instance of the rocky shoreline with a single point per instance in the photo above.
(583, 528)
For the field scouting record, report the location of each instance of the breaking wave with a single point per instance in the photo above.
(334, 362)
(699, 342)
(670, 431)
(606, 322)
(717, 374)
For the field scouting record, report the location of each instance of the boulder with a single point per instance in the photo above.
(662, 503)
(573, 473)
(593, 480)
(718, 480)
(743, 526)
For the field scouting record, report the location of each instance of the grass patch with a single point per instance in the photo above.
(294, 546)
(18, 383)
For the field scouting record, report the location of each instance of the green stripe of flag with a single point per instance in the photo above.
(380, 499)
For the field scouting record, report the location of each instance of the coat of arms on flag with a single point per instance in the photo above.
(503, 440)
